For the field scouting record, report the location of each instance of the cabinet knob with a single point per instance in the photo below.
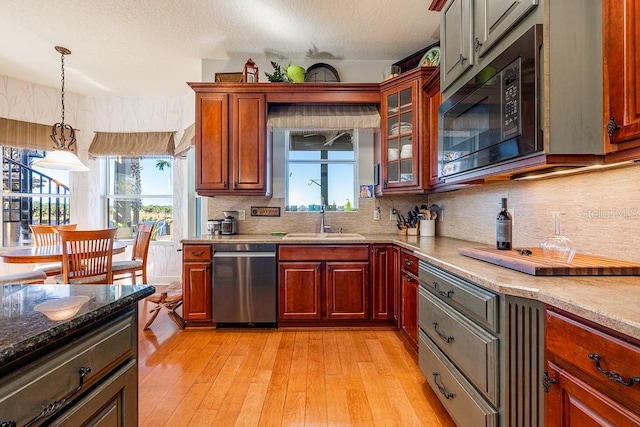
(462, 59)
(477, 45)
(612, 127)
(224, 184)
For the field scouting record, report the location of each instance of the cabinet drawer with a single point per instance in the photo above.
(466, 406)
(113, 403)
(25, 393)
(586, 347)
(196, 253)
(477, 303)
(323, 252)
(471, 348)
(409, 262)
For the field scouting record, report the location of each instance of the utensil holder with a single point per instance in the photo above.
(413, 231)
(427, 227)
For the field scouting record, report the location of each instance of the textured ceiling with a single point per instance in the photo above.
(152, 47)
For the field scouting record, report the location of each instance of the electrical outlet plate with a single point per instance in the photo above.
(376, 214)
(392, 215)
(241, 215)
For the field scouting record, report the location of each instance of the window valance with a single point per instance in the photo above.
(19, 134)
(132, 144)
(324, 116)
(188, 139)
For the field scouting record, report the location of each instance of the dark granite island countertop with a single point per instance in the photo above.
(25, 332)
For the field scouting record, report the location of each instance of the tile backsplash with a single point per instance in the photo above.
(602, 212)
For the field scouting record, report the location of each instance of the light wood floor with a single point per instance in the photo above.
(326, 377)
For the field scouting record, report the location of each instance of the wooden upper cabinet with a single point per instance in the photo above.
(212, 143)
(621, 49)
(250, 154)
(232, 153)
(406, 123)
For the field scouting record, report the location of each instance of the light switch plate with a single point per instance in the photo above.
(241, 215)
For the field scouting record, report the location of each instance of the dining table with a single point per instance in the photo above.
(44, 254)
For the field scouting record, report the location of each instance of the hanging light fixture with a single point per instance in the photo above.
(63, 135)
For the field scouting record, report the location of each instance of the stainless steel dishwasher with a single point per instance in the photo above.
(244, 284)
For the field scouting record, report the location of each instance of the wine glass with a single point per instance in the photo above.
(558, 247)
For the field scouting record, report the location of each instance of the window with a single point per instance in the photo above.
(140, 189)
(30, 195)
(321, 168)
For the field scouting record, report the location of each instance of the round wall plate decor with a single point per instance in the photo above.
(321, 73)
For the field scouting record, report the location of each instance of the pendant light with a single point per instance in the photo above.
(64, 136)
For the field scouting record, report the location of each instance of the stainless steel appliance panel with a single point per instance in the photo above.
(244, 283)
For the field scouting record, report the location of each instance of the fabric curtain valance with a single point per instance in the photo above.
(19, 134)
(324, 116)
(187, 141)
(133, 144)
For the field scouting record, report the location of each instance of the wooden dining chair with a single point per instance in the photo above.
(86, 256)
(137, 265)
(47, 235)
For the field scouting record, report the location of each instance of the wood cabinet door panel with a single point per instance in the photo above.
(574, 403)
(621, 39)
(299, 291)
(212, 142)
(196, 292)
(383, 285)
(249, 141)
(410, 307)
(347, 287)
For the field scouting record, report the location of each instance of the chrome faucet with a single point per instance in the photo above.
(323, 227)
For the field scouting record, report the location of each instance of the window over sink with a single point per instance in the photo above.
(321, 167)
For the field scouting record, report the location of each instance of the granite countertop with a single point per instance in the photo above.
(611, 301)
(24, 330)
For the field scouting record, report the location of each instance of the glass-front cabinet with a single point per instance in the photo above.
(404, 153)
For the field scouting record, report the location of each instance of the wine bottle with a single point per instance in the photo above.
(503, 228)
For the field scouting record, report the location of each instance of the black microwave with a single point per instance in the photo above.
(493, 118)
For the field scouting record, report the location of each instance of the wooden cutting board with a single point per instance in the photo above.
(537, 265)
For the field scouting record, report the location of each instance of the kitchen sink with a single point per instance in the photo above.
(323, 236)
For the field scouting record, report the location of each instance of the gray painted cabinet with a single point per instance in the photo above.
(90, 380)
(470, 28)
(481, 352)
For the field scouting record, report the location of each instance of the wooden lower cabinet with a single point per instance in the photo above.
(347, 287)
(299, 291)
(323, 283)
(409, 297)
(385, 274)
(196, 282)
(592, 375)
(409, 322)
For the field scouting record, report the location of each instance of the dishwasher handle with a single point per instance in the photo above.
(240, 254)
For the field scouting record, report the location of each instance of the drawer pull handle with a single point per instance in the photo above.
(446, 393)
(616, 378)
(444, 337)
(198, 254)
(444, 294)
(55, 407)
(409, 278)
(408, 262)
